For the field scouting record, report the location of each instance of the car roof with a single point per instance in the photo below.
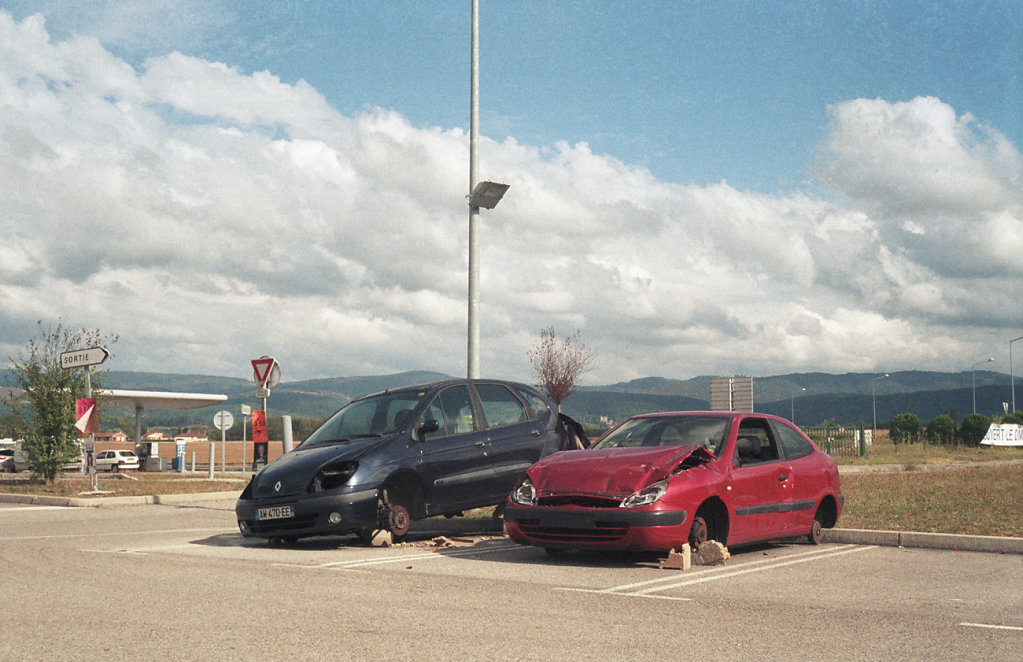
(445, 382)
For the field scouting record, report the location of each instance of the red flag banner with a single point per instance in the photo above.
(259, 426)
(86, 419)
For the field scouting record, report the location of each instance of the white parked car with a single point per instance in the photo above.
(116, 460)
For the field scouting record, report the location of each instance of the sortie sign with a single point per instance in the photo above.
(80, 358)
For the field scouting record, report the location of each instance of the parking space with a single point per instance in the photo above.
(187, 570)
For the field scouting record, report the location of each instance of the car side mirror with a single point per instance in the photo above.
(426, 427)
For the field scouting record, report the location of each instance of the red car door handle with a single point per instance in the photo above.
(782, 478)
(480, 444)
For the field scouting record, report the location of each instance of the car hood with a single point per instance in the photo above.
(612, 471)
(294, 470)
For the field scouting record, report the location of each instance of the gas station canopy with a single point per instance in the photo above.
(161, 399)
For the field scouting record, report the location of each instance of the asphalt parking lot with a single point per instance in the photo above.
(179, 582)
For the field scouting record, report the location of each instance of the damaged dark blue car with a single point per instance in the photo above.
(405, 454)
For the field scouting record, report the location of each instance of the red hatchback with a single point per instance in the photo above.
(656, 481)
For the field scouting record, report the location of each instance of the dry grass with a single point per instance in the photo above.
(126, 484)
(883, 451)
(984, 501)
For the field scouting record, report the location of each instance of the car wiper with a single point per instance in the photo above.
(347, 440)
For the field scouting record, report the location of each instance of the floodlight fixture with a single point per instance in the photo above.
(487, 194)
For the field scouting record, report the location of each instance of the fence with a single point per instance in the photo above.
(836, 441)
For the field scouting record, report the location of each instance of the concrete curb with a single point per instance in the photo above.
(943, 541)
(99, 502)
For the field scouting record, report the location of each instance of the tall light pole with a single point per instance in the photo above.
(1012, 378)
(873, 398)
(481, 194)
(974, 370)
(792, 413)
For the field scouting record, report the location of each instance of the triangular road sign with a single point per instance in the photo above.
(261, 369)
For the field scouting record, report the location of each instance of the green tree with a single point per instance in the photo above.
(905, 428)
(558, 364)
(941, 430)
(974, 428)
(51, 439)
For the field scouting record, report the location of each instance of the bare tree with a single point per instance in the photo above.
(558, 364)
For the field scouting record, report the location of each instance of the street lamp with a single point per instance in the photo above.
(873, 398)
(482, 194)
(1012, 378)
(974, 370)
(792, 413)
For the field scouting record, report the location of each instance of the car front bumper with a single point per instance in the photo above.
(598, 528)
(311, 515)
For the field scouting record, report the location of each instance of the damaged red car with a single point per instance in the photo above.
(656, 481)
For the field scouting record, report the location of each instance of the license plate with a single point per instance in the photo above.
(274, 512)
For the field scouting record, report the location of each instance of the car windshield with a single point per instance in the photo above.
(706, 431)
(375, 416)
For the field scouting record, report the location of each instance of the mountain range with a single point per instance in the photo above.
(808, 398)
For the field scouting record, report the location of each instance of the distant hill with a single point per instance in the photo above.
(845, 398)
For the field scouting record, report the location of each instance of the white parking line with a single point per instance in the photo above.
(422, 555)
(992, 627)
(664, 584)
(17, 508)
(141, 551)
(106, 534)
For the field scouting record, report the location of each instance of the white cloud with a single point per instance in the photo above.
(209, 217)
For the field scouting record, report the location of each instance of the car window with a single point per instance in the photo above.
(792, 442)
(369, 417)
(500, 406)
(754, 443)
(706, 431)
(452, 409)
(536, 403)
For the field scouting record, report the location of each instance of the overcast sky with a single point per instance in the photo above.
(698, 188)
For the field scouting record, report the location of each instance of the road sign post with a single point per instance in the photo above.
(86, 358)
(266, 373)
(222, 420)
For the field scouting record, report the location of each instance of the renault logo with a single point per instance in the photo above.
(277, 486)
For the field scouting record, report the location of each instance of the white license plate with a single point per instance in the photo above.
(274, 512)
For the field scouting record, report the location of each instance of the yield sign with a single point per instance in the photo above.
(266, 371)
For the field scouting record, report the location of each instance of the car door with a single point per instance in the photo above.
(808, 479)
(452, 462)
(758, 484)
(516, 436)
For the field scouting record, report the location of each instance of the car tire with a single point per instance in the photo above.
(114, 468)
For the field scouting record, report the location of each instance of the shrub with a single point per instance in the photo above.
(905, 428)
(973, 429)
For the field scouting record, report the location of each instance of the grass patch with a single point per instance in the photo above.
(883, 451)
(128, 484)
(984, 501)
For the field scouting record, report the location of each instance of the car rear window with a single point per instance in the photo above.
(500, 405)
(793, 442)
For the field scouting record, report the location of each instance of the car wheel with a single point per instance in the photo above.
(114, 468)
(698, 532)
(816, 530)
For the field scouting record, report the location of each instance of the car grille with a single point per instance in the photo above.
(602, 532)
(581, 500)
(282, 526)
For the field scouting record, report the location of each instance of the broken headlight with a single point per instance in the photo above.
(333, 476)
(524, 493)
(646, 496)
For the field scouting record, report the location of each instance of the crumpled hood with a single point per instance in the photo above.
(294, 470)
(612, 471)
